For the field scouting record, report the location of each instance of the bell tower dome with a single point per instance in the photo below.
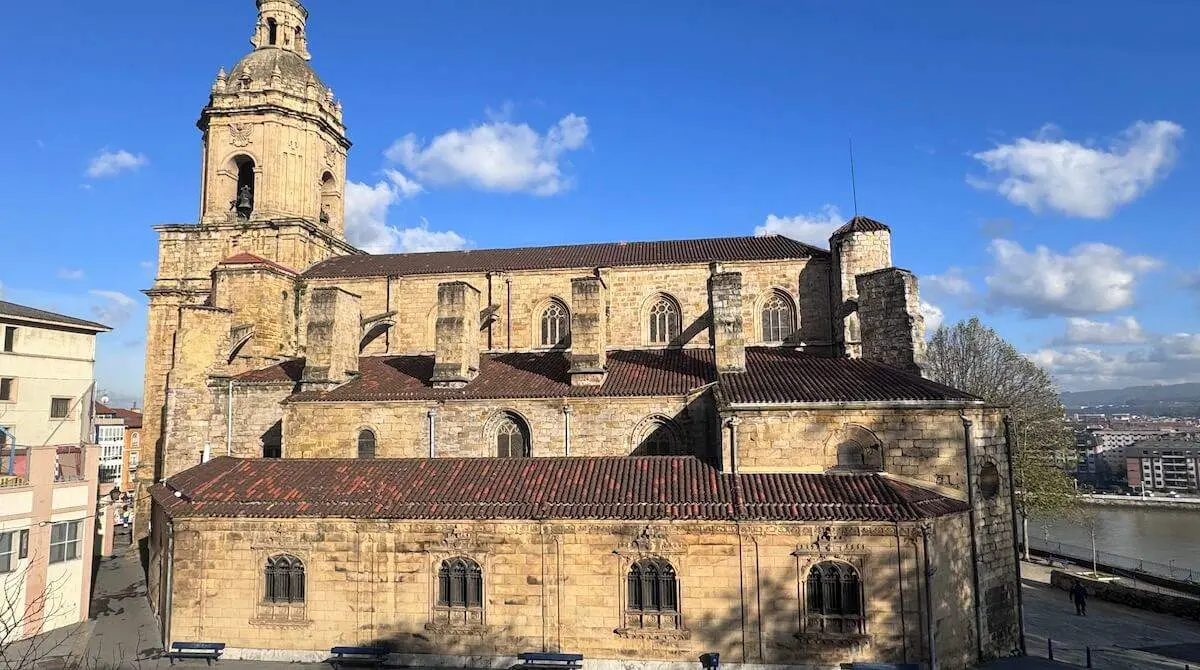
(275, 144)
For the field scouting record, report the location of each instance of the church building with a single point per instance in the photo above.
(636, 451)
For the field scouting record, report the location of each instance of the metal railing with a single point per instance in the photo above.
(1106, 658)
(1083, 555)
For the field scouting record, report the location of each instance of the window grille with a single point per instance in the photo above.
(284, 580)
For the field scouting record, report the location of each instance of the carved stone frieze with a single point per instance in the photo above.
(239, 134)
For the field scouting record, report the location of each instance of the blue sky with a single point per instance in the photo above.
(1035, 160)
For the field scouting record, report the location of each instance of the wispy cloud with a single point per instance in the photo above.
(367, 225)
(1044, 172)
(814, 228)
(114, 308)
(70, 274)
(1122, 330)
(111, 163)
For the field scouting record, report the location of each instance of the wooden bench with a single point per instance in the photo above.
(342, 657)
(548, 661)
(209, 651)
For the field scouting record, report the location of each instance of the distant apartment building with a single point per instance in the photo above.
(119, 434)
(48, 469)
(1109, 449)
(1164, 465)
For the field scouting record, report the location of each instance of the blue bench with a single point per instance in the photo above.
(342, 657)
(209, 651)
(549, 661)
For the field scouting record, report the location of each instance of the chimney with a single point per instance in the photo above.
(725, 303)
(589, 325)
(892, 328)
(456, 357)
(334, 331)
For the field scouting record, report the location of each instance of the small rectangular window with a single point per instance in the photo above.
(64, 541)
(10, 337)
(7, 562)
(8, 389)
(60, 408)
(24, 544)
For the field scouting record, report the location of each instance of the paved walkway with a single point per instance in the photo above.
(1119, 636)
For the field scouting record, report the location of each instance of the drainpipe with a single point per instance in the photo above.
(970, 456)
(229, 422)
(1012, 496)
(733, 423)
(929, 633)
(432, 421)
(490, 302)
(170, 580)
(566, 410)
(508, 311)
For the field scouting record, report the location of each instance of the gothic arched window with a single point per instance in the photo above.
(284, 580)
(777, 317)
(460, 584)
(834, 599)
(366, 443)
(660, 437)
(664, 320)
(512, 437)
(556, 325)
(653, 587)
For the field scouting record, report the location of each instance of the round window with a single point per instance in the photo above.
(989, 481)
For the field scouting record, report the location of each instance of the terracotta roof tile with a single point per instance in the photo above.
(132, 418)
(641, 488)
(860, 224)
(773, 375)
(609, 254)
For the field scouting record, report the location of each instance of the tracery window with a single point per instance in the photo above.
(366, 443)
(512, 438)
(556, 325)
(778, 318)
(834, 600)
(653, 595)
(460, 584)
(664, 320)
(284, 580)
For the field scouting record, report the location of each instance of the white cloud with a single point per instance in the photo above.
(1077, 179)
(70, 274)
(933, 316)
(366, 219)
(495, 156)
(109, 163)
(148, 265)
(115, 309)
(1091, 279)
(1122, 330)
(1168, 359)
(812, 228)
(952, 283)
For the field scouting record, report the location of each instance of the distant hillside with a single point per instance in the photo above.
(1168, 400)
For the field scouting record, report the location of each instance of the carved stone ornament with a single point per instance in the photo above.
(653, 540)
(823, 542)
(239, 135)
(456, 540)
(832, 640)
(294, 145)
(330, 155)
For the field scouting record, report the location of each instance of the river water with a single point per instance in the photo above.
(1162, 535)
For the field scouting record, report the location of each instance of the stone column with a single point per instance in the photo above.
(456, 357)
(729, 340)
(333, 335)
(589, 323)
(892, 328)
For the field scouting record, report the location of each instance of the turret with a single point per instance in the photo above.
(862, 245)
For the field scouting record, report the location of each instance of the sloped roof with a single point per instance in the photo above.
(32, 314)
(636, 488)
(860, 224)
(773, 375)
(132, 418)
(608, 254)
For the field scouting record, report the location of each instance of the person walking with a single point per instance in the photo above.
(1079, 597)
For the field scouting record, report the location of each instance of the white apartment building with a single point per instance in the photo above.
(110, 436)
(48, 469)
(1164, 465)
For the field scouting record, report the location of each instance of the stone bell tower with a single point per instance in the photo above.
(225, 297)
(274, 142)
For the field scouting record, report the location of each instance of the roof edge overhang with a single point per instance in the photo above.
(95, 328)
(857, 404)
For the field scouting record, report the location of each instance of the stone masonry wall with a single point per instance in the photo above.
(552, 586)
(465, 428)
(891, 326)
(854, 254)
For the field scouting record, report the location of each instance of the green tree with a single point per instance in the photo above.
(972, 357)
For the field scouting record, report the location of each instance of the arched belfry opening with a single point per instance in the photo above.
(243, 195)
(272, 32)
(329, 197)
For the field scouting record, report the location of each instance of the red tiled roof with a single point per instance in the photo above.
(642, 488)
(245, 258)
(609, 254)
(132, 418)
(860, 224)
(773, 375)
(779, 375)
